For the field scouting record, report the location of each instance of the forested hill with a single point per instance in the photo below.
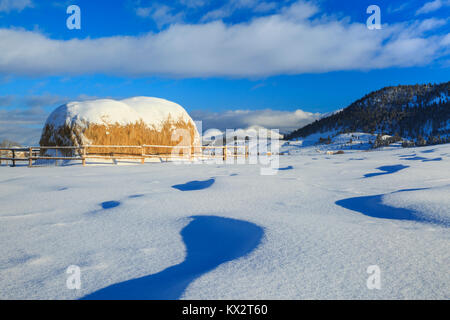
(420, 113)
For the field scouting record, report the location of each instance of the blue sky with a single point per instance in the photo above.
(244, 61)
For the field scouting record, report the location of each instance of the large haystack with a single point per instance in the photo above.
(130, 122)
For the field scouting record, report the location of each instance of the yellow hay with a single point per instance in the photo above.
(171, 133)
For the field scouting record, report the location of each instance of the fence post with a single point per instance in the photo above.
(235, 147)
(143, 155)
(83, 156)
(247, 138)
(13, 157)
(224, 148)
(30, 155)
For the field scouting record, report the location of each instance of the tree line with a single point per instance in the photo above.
(420, 114)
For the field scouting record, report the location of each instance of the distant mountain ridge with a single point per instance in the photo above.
(419, 113)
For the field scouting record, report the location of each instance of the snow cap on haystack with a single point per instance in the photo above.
(133, 121)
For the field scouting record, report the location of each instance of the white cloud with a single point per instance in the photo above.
(44, 100)
(161, 14)
(285, 121)
(289, 42)
(446, 40)
(41, 101)
(398, 8)
(14, 5)
(300, 10)
(6, 101)
(220, 13)
(265, 6)
(194, 3)
(22, 125)
(231, 6)
(143, 12)
(432, 6)
(430, 24)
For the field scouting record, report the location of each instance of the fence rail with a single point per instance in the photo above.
(110, 152)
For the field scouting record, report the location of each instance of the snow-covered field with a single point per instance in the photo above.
(325, 218)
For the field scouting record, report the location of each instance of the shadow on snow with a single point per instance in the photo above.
(435, 159)
(195, 185)
(422, 159)
(286, 168)
(387, 170)
(373, 206)
(210, 241)
(110, 204)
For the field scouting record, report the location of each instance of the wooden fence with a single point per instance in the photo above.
(83, 153)
(111, 152)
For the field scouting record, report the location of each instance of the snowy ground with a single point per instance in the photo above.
(119, 223)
